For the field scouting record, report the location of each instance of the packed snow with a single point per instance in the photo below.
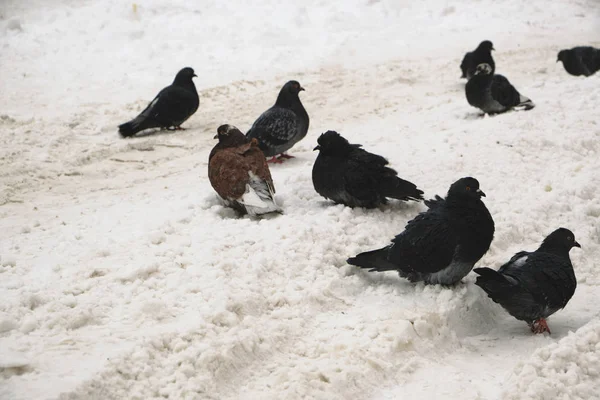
(122, 276)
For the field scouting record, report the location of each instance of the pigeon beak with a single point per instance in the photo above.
(480, 192)
(216, 136)
(195, 75)
(577, 245)
(317, 148)
(301, 88)
(493, 49)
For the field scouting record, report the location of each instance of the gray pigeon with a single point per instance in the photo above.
(441, 245)
(583, 60)
(349, 175)
(282, 126)
(534, 285)
(482, 54)
(494, 94)
(170, 108)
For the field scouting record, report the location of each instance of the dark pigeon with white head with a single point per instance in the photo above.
(347, 174)
(534, 285)
(441, 245)
(494, 94)
(583, 60)
(282, 126)
(170, 108)
(482, 54)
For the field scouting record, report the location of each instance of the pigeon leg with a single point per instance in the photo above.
(540, 326)
(275, 160)
(285, 156)
(175, 128)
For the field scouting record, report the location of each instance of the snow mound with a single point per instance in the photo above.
(568, 369)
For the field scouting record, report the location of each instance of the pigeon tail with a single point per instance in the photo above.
(134, 126)
(493, 283)
(375, 260)
(525, 103)
(400, 189)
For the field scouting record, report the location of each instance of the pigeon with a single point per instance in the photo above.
(482, 54)
(442, 244)
(239, 173)
(534, 285)
(171, 107)
(494, 94)
(349, 175)
(580, 60)
(282, 126)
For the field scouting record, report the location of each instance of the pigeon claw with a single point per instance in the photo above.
(540, 326)
(275, 160)
(176, 128)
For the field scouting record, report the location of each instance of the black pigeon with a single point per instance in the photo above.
(482, 54)
(494, 94)
(583, 60)
(282, 126)
(349, 175)
(534, 285)
(441, 245)
(171, 107)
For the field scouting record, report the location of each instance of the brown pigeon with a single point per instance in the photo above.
(239, 173)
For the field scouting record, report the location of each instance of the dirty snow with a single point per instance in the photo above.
(123, 277)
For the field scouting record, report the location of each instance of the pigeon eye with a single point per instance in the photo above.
(468, 188)
(569, 238)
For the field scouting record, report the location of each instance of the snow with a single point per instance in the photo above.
(122, 276)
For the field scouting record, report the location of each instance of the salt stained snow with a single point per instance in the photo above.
(123, 278)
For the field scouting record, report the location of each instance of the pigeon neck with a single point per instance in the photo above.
(462, 201)
(287, 100)
(553, 249)
(184, 83)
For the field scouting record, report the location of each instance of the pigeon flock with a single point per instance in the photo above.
(438, 246)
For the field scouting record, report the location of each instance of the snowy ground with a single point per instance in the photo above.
(123, 278)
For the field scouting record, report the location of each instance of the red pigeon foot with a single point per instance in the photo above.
(285, 156)
(540, 326)
(275, 160)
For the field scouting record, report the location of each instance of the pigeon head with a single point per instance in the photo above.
(486, 45)
(289, 93)
(483, 69)
(230, 136)
(560, 239)
(330, 141)
(184, 76)
(465, 188)
(562, 55)
(292, 87)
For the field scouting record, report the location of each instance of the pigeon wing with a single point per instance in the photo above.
(274, 127)
(466, 64)
(360, 181)
(586, 58)
(171, 107)
(258, 164)
(548, 278)
(365, 158)
(427, 244)
(503, 92)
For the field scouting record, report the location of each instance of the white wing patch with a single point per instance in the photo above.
(258, 198)
(520, 262)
